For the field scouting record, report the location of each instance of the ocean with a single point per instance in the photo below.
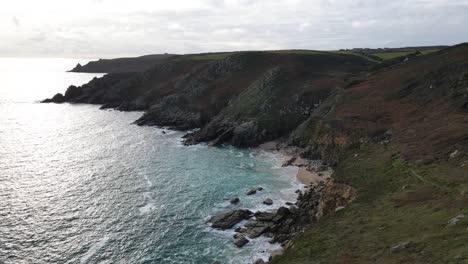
(83, 185)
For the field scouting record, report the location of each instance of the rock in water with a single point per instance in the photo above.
(240, 240)
(229, 219)
(259, 261)
(58, 98)
(234, 200)
(268, 201)
(251, 192)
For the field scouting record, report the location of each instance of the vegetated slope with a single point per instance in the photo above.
(400, 138)
(136, 64)
(421, 103)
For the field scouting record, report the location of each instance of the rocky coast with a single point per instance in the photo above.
(391, 139)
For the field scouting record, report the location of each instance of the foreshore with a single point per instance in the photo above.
(280, 225)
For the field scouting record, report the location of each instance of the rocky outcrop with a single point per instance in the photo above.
(335, 196)
(229, 219)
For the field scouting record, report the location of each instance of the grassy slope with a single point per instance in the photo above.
(397, 203)
(397, 54)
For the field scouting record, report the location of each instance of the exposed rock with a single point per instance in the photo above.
(228, 219)
(333, 196)
(455, 220)
(58, 98)
(399, 247)
(259, 261)
(240, 240)
(268, 201)
(267, 216)
(260, 189)
(251, 192)
(234, 200)
(339, 208)
(255, 228)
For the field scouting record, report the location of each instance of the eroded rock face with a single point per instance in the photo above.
(229, 219)
(335, 195)
(240, 240)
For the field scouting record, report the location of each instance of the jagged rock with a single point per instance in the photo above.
(228, 219)
(399, 247)
(268, 201)
(234, 200)
(240, 240)
(255, 228)
(251, 192)
(333, 196)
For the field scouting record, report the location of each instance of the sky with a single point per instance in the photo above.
(116, 28)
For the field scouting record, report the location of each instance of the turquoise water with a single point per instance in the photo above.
(83, 185)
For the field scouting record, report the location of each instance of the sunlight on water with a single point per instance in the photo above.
(83, 185)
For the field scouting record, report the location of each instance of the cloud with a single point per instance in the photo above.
(104, 28)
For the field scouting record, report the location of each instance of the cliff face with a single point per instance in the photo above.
(189, 93)
(322, 102)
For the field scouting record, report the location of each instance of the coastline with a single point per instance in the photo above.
(308, 180)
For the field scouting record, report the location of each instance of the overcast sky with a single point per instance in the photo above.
(112, 28)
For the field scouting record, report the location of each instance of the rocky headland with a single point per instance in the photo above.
(395, 134)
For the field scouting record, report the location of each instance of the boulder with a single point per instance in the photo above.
(399, 247)
(268, 201)
(240, 240)
(259, 261)
(229, 219)
(234, 200)
(251, 192)
(255, 228)
(260, 189)
(455, 220)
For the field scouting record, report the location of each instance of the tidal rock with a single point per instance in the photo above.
(229, 219)
(260, 189)
(234, 200)
(268, 201)
(259, 261)
(240, 240)
(255, 228)
(251, 192)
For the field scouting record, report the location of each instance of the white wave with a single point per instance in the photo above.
(94, 249)
(146, 208)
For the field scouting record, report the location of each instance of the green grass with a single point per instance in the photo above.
(424, 52)
(397, 202)
(392, 55)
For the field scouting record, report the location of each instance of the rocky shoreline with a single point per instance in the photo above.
(319, 196)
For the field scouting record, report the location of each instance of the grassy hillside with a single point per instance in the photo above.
(398, 203)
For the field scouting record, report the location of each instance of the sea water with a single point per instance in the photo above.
(83, 185)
